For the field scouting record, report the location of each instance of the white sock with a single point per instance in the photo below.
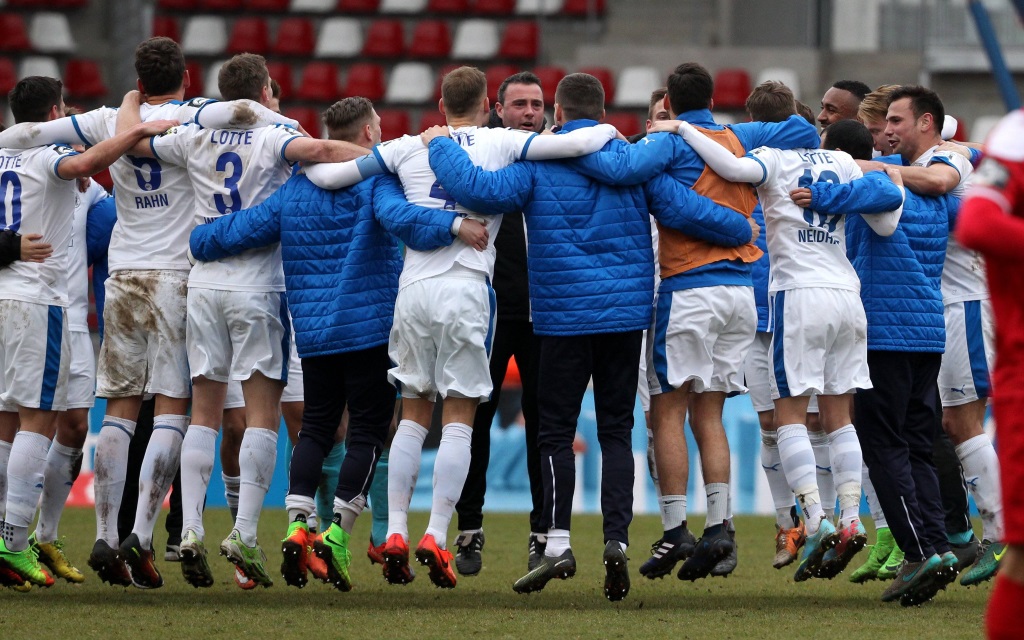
(450, 470)
(5, 457)
(256, 459)
(558, 542)
(403, 469)
(847, 466)
(159, 466)
(61, 463)
(718, 503)
(24, 485)
(299, 506)
(824, 471)
(198, 450)
(877, 515)
(673, 511)
(110, 468)
(782, 495)
(231, 486)
(798, 463)
(349, 511)
(981, 472)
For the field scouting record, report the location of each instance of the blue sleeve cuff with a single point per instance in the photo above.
(57, 162)
(526, 147)
(285, 146)
(78, 130)
(764, 171)
(372, 165)
(152, 147)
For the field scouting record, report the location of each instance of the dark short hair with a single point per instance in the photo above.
(243, 77)
(346, 117)
(33, 97)
(657, 96)
(581, 95)
(462, 90)
(850, 136)
(690, 87)
(805, 112)
(771, 101)
(523, 77)
(922, 100)
(160, 65)
(856, 87)
(275, 88)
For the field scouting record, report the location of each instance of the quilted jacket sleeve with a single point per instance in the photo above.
(418, 227)
(628, 164)
(874, 193)
(230, 235)
(487, 192)
(683, 209)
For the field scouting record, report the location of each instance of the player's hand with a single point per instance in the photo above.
(433, 132)
(32, 250)
(474, 234)
(895, 175)
(664, 126)
(801, 197)
(755, 229)
(955, 148)
(156, 127)
(83, 184)
(871, 165)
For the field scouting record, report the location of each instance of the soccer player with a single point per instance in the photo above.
(841, 101)
(990, 223)
(34, 336)
(237, 314)
(444, 312)
(812, 277)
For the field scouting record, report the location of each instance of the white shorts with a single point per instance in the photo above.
(232, 334)
(143, 348)
(234, 399)
(441, 337)
(642, 390)
(820, 343)
(701, 335)
(970, 352)
(756, 373)
(293, 392)
(35, 355)
(82, 372)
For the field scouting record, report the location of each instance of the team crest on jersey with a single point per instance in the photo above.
(198, 102)
(62, 149)
(992, 173)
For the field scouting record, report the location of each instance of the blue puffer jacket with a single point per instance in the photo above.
(341, 268)
(589, 255)
(759, 272)
(900, 275)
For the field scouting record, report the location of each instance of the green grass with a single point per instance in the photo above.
(756, 602)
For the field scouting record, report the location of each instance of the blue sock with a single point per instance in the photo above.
(329, 482)
(960, 538)
(379, 501)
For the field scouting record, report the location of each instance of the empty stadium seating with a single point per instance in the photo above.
(308, 118)
(319, 82)
(431, 39)
(15, 39)
(521, 41)
(295, 37)
(385, 39)
(495, 76)
(282, 73)
(50, 33)
(549, 79)
(410, 83)
(166, 26)
(83, 80)
(196, 87)
(365, 79)
(249, 35)
(732, 86)
(8, 75)
(784, 75)
(339, 38)
(627, 123)
(394, 123)
(205, 36)
(635, 86)
(476, 39)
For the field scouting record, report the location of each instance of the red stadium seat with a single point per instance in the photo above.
(308, 118)
(385, 39)
(295, 37)
(446, 69)
(177, 5)
(605, 76)
(495, 76)
(249, 35)
(394, 123)
(268, 6)
(431, 118)
(451, 7)
(319, 82)
(15, 38)
(521, 41)
(365, 79)
(167, 27)
(82, 79)
(732, 86)
(627, 123)
(195, 76)
(431, 39)
(358, 6)
(8, 75)
(549, 79)
(495, 7)
(220, 5)
(581, 8)
(282, 72)
(103, 177)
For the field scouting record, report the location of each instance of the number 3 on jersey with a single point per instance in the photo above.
(438, 193)
(10, 183)
(229, 160)
(826, 221)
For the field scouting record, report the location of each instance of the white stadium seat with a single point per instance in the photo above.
(212, 88)
(205, 36)
(542, 7)
(411, 83)
(313, 6)
(51, 33)
(339, 38)
(39, 66)
(476, 39)
(982, 126)
(403, 6)
(635, 86)
(784, 75)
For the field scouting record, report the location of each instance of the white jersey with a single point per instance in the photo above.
(78, 258)
(232, 170)
(34, 199)
(807, 248)
(154, 201)
(489, 149)
(963, 273)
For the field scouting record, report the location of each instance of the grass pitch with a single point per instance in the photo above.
(755, 602)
